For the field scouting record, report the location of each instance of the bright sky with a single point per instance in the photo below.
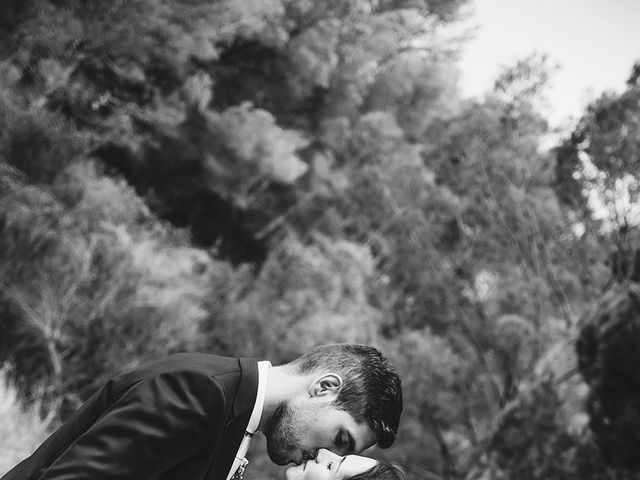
(594, 42)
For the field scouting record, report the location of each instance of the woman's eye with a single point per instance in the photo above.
(329, 465)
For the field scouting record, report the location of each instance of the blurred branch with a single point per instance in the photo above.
(445, 453)
(283, 217)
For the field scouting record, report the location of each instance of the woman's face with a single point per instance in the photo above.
(329, 466)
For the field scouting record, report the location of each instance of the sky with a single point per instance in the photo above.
(594, 42)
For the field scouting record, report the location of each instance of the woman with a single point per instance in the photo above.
(329, 466)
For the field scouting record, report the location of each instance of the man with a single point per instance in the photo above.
(189, 416)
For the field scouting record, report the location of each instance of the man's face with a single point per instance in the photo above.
(299, 427)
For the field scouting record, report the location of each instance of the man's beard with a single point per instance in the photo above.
(280, 434)
(284, 430)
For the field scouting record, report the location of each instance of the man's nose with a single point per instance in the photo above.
(306, 456)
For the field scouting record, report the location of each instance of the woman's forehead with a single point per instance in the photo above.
(354, 465)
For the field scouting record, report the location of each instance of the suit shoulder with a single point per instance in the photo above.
(198, 367)
(184, 362)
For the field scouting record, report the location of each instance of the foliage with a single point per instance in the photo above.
(97, 278)
(304, 294)
(21, 430)
(602, 156)
(254, 178)
(535, 438)
(608, 359)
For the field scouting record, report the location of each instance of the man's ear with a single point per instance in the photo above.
(328, 384)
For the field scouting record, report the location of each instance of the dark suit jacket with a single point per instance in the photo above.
(181, 418)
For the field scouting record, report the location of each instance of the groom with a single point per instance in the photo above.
(190, 416)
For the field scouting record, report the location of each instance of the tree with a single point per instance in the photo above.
(607, 358)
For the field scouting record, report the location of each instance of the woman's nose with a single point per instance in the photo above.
(320, 455)
(324, 455)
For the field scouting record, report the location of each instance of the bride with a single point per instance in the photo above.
(329, 466)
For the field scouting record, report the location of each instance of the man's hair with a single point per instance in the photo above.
(371, 390)
(381, 471)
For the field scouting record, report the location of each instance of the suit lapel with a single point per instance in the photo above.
(248, 388)
(241, 410)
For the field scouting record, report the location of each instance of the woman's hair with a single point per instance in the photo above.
(381, 471)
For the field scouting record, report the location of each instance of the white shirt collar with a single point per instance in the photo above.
(256, 413)
(240, 462)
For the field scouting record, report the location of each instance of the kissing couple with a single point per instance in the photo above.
(191, 416)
